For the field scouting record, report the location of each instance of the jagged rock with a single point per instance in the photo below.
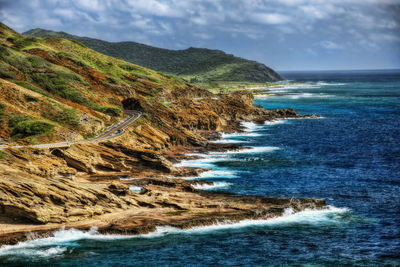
(118, 188)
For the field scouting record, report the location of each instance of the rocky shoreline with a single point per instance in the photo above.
(81, 187)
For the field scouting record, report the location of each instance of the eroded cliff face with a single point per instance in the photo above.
(79, 92)
(70, 184)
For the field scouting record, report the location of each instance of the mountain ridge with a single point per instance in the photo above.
(193, 64)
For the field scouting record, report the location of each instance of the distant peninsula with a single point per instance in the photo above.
(197, 65)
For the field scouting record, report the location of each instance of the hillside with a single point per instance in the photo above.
(194, 64)
(54, 89)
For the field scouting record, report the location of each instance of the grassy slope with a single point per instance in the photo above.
(73, 89)
(194, 64)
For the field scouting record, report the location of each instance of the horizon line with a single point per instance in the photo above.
(327, 70)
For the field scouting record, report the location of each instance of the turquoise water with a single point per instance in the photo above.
(350, 157)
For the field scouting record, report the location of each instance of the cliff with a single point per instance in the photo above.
(54, 89)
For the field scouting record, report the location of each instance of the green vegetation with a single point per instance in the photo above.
(30, 98)
(32, 88)
(25, 128)
(22, 42)
(2, 107)
(67, 116)
(109, 110)
(3, 155)
(194, 64)
(5, 73)
(16, 119)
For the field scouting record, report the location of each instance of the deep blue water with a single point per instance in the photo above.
(350, 157)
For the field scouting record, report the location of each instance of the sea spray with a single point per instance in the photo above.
(215, 185)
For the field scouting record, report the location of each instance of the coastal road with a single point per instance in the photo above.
(111, 132)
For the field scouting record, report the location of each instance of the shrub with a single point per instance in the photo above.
(3, 155)
(32, 88)
(16, 119)
(109, 110)
(2, 106)
(30, 127)
(6, 73)
(23, 42)
(55, 84)
(67, 116)
(30, 98)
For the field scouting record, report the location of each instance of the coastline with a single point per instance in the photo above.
(177, 202)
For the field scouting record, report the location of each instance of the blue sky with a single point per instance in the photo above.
(283, 34)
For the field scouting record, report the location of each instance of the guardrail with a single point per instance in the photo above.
(110, 132)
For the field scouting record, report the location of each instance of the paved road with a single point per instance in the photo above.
(111, 132)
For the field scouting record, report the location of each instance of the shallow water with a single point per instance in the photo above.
(350, 157)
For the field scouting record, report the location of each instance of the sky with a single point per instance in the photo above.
(283, 34)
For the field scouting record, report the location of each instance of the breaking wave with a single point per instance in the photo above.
(215, 185)
(214, 174)
(63, 240)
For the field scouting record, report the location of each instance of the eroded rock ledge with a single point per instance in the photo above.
(162, 201)
(42, 190)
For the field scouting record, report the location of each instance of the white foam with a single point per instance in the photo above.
(207, 161)
(260, 149)
(249, 126)
(211, 186)
(214, 174)
(55, 245)
(244, 134)
(135, 188)
(228, 141)
(329, 215)
(62, 239)
(275, 122)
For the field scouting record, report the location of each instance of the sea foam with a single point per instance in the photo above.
(63, 239)
(214, 174)
(215, 185)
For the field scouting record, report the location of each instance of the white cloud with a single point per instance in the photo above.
(331, 45)
(270, 18)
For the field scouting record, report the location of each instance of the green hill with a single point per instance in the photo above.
(193, 64)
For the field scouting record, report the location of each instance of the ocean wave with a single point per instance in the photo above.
(329, 215)
(214, 174)
(215, 185)
(307, 95)
(208, 160)
(330, 84)
(275, 122)
(229, 141)
(55, 245)
(259, 149)
(244, 134)
(58, 244)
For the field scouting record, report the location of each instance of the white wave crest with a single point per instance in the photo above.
(55, 245)
(244, 134)
(58, 244)
(260, 149)
(275, 122)
(214, 174)
(211, 186)
(228, 141)
(308, 95)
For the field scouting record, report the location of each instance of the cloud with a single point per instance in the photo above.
(333, 26)
(271, 18)
(331, 45)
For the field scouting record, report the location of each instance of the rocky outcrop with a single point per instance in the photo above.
(162, 201)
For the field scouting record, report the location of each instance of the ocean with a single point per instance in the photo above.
(350, 157)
